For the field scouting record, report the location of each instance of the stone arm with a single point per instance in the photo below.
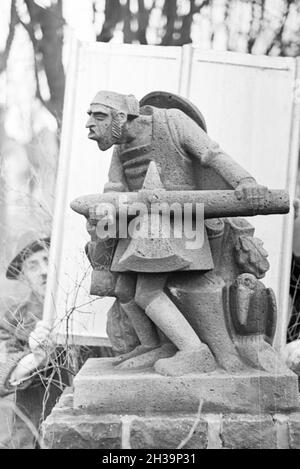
(190, 138)
(116, 178)
(100, 252)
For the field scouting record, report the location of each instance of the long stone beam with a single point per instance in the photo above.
(217, 204)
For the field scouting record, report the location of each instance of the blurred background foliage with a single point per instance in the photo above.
(34, 43)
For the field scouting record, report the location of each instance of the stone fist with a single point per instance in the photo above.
(102, 212)
(248, 189)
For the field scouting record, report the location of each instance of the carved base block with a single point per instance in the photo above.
(69, 428)
(101, 387)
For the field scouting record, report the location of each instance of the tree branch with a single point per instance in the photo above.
(277, 40)
(112, 15)
(143, 20)
(11, 32)
(256, 23)
(51, 22)
(187, 21)
(29, 29)
(127, 16)
(170, 11)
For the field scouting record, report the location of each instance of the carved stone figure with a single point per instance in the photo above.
(178, 309)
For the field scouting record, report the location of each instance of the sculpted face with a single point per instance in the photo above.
(100, 125)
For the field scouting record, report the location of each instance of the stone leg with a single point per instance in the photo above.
(193, 355)
(143, 327)
(145, 330)
(152, 346)
(200, 298)
(163, 312)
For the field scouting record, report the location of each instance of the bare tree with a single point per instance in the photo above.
(112, 16)
(176, 27)
(48, 51)
(46, 26)
(11, 32)
(143, 21)
(45, 31)
(278, 40)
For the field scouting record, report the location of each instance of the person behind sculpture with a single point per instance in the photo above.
(26, 346)
(177, 145)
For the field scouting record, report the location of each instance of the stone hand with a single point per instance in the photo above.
(102, 213)
(248, 189)
(40, 342)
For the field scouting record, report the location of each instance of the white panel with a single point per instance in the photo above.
(248, 104)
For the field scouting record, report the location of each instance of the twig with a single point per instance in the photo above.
(191, 432)
(27, 422)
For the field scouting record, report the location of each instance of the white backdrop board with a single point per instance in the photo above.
(248, 103)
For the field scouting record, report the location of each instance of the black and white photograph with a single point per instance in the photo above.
(149, 227)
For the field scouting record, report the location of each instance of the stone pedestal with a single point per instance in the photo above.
(70, 428)
(109, 409)
(99, 386)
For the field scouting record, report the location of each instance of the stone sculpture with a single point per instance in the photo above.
(178, 309)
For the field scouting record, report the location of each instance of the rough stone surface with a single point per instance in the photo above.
(66, 399)
(282, 430)
(167, 433)
(100, 387)
(66, 428)
(294, 430)
(70, 428)
(248, 432)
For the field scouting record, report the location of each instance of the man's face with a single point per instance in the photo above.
(34, 271)
(100, 126)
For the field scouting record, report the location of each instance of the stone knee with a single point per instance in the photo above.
(125, 288)
(148, 287)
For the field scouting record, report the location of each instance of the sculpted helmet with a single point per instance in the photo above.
(119, 102)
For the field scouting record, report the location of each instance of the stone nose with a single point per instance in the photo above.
(90, 122)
